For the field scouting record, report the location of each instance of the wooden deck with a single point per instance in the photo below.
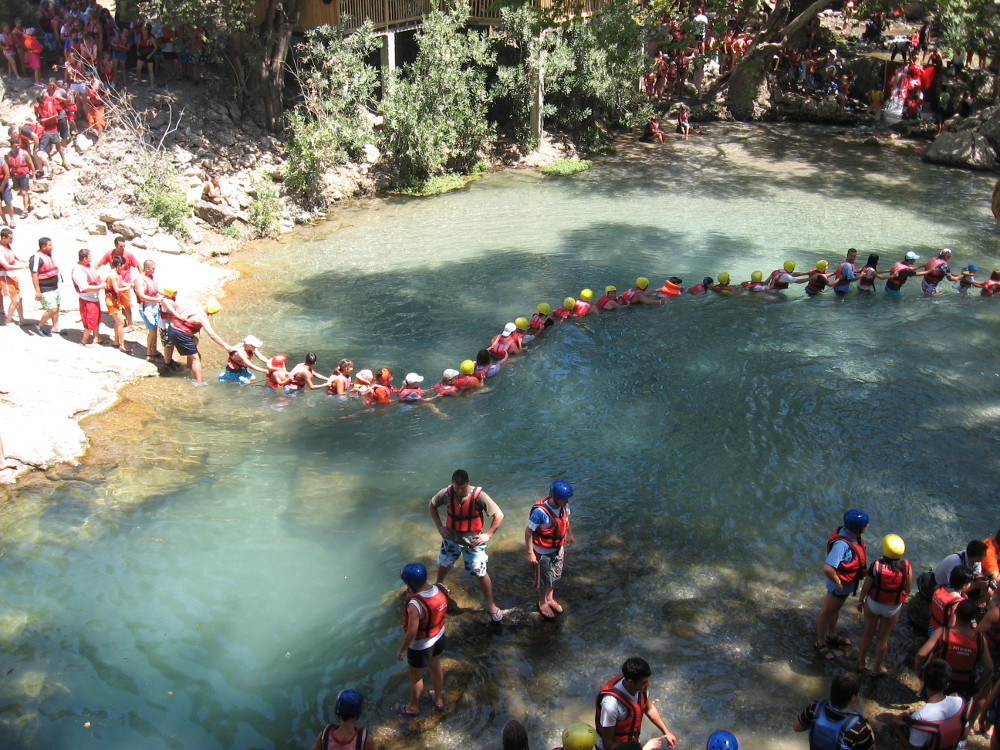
(388, 15)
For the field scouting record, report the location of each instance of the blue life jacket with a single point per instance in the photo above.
(827, 733)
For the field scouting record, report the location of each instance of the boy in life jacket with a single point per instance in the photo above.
(756, 285)
(844, 567)
(546, 536)
(940, 722)
(831, 724)
(967, 653)
(621, 704)
(899, 273)
(817, 279)
(345, 734)
(946, 598)
(424, 613)
(609, 300)
(968, 279)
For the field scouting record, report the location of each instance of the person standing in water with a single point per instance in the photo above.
(546, 536)
(462, 533)
(843, 567)
(346, 734)
(424, 613)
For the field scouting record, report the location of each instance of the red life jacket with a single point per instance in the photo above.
(562, 312)
(499, 345)
(935, 275)
(946, 733)
(463, 382)
(537, 323)
(697, 289)
(896, 281)
(854, 569)
(404, 394)
(889, 585)
(840, 271)
(961, 651)
(989, 288)
(48, 269)
(628, 295)
(432, 612)
(772, 280)
(329, 742)
(603, 300)
(18, 164)
(379, 394)
(722, 289)
(119, 42)
(234, 363)
(628, 728)
(272, 371)
(863, 281)
(32, 44)
(181, 322)
(443, 390)
(942, 603)
(49, 115)
(817, 282)
(553, 536)
(463, 516)
(581, 308)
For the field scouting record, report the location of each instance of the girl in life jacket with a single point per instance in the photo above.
(723, 287)
(277, 375)
(504, 344)
(467, 380)
(446, 386)
(704, 287)
(339, 382)
(381, 390)
(888, 582)
(540, 320)
(609, 300)
(583, 306)
(868, 274)
(485, 367)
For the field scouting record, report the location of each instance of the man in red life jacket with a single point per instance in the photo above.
(45, 277)
(89, 285)
(9, 285)
(546, 536)
(22, 168)
(462, 533)
(184, 329)
(785, 276)
(424, 613)
(935, 271)
(621, 704)
(844, 568)
(942, 715)
(967, 653)
(148, 293)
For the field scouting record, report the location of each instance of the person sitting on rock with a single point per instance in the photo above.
(212, 192)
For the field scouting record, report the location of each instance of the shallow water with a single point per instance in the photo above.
(226, 561)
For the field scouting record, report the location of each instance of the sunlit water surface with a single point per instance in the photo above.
(226, 561)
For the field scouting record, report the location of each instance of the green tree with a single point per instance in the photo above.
(434, 110)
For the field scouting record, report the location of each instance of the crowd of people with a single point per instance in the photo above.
(960, 687)
(126, 283)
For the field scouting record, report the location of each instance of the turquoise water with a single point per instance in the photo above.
(228, 561)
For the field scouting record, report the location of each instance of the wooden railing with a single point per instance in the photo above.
(386, 14)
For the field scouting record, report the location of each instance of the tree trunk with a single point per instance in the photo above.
(281, 18)
(748, 95)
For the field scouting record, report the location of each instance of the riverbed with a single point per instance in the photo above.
(225, 561)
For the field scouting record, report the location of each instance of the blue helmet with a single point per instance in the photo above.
(855, 520)
(722, 740)
(414, 574)
(349, 703)
(561, 490)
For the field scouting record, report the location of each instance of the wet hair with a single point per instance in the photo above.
(344, 363)
(514, 736)
(995, 276)
(937, 675)
(844, 687)
(961, 576)
(635, 668)
(975, 548)
(84, 252)
(966, 611)
(675, 280)
(707, 281)
(310, 359)
(872, 261)
(482, 358)
(461, 476)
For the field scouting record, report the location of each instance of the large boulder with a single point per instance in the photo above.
(966, 149)
(990, 129)
(210, 213)
(127, 229)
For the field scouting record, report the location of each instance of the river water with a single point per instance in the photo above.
(225, 561)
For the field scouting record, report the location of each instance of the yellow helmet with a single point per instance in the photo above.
(521, 323)
(610, 288)
(569, 303)
(586, 295)
(757, 276)
(579, 736)
(168, 292)
(642, 282)
(467, 367)
(544, 308)
(893, 546)
(789, 265)
(724, 278)
(821, 265)
(212, 306)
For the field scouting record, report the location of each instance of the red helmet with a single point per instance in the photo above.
(279, 359)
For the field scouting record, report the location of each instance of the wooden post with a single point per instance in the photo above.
(389, 50)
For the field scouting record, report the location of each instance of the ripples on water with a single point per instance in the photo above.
(226, 561)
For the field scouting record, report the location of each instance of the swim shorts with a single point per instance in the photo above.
(475, 558)
(49, 139)
(241, 376)
(894, 292)
(9, 286)
(150, 314)
(928, 288)
(51, 299)
(7, 196)
(549, 569)
(422, 658)
(90, 314)
(184, 342)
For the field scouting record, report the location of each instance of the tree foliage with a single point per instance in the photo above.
(434, 110)
(964, 24)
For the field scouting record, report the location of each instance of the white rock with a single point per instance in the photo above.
(111, 215)
(127, 229)
(372, 154)
(139, 242)
(98, 228)
(165, 243)
(83, 143)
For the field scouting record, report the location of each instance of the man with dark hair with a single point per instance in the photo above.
(45, 277)
(462, 533)
(967, 653)
(88, 285)
(946, 598)
(621, 704)
(941, 718)
(831, 724)
(972, 556)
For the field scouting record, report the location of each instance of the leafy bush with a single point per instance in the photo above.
(162, 198)
(265, 209)
(435, 184)
(435, 109)
(564, 167)
(332, 124)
